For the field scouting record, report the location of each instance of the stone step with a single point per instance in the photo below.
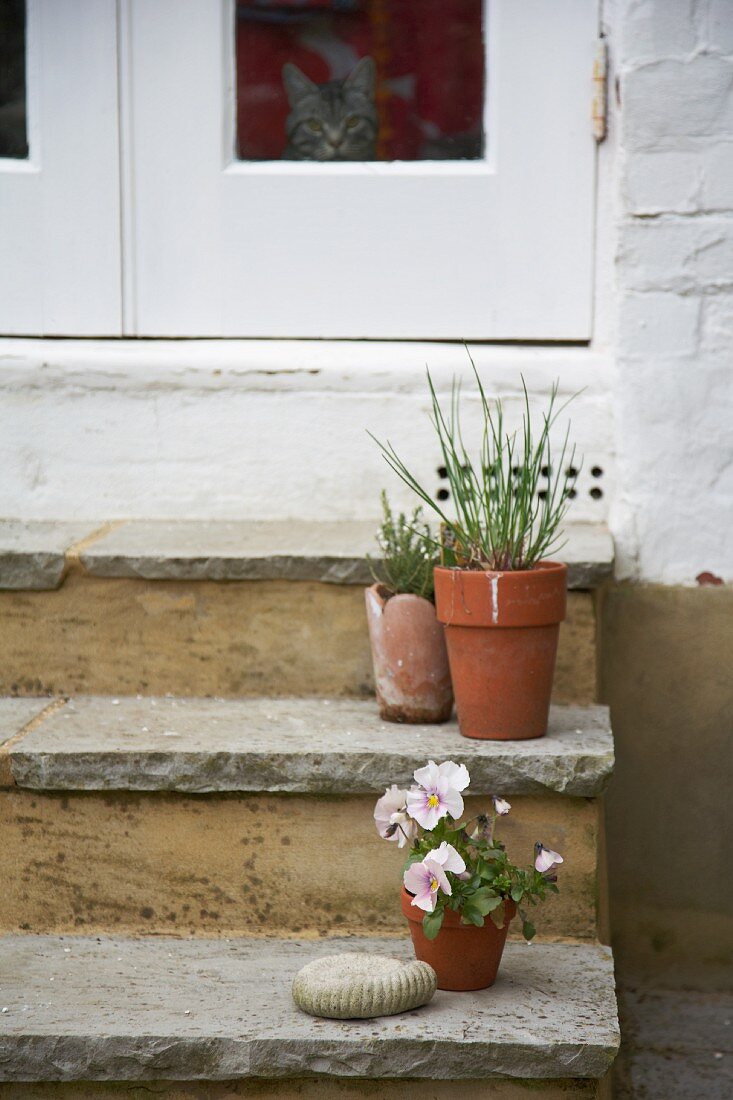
(187, 815)
(100, 1009)
(295, 746)
(35, 554)
(223, 608)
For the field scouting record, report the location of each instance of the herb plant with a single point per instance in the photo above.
(511, 499)
(460, 866)
(408, 553)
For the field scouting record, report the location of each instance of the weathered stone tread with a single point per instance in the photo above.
(17, 713)
(163, 1009)
(315, 746)
(34, 553)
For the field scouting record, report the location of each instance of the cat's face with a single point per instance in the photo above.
(335, 121)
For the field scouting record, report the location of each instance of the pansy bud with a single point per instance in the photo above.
(483, 828)
(501, 806)
(545, 858)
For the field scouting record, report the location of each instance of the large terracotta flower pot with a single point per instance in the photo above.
(409, 657)
(462, 955)
(501, 629)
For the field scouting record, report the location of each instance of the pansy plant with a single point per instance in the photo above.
(459, 865)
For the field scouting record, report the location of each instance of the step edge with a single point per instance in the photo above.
(37, 554)
(264, 1057)
(332, 768)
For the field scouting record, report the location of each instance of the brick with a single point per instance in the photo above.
(666, 100)
(717, 174)
(719, 28)
(651, 29)
(660, 182)
(717, 326)
(674, 182)
(657, 324)
(681, 255)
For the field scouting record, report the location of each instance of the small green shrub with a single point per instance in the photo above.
(408, 553)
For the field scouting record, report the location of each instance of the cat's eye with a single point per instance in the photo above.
(314, 125)
(352, 122)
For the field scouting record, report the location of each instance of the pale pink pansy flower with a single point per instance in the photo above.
(448, 858)
(425, 879)
(545, 858)
(439, 792)
(501, 806)
(391, 818)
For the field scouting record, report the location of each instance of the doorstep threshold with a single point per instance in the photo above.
(36, 554)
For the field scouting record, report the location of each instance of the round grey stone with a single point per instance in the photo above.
(359, 986)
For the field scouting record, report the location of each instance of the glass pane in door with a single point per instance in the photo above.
(360, 80)
(13, 135)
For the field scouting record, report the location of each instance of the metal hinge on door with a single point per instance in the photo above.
(600, 90)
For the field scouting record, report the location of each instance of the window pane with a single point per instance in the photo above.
(328, 80)
(13, 139)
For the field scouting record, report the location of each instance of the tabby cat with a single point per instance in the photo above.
(334, 121)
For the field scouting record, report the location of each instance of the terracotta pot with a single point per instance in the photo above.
(409, 657)
(462, 955)
(501, 629)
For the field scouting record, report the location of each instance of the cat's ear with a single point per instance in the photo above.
(296, 83)
(362, 77)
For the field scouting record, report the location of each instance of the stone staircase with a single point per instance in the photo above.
(170, 860)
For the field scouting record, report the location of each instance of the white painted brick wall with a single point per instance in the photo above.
(673, 515)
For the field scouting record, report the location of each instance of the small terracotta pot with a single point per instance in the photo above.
(462, 955)
(501, 629)
(409, 657)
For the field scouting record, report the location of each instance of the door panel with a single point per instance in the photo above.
(496, 248)
(59, 207)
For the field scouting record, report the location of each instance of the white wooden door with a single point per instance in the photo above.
(497, 248)
(59, 207)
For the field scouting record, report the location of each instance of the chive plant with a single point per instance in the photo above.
(408, 553)
(511, 500)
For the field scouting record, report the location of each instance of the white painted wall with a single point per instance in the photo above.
(266, 429)
(673, 512)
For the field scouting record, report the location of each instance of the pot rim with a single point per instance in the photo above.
(546, 565)
(499, 599)
(386, 595)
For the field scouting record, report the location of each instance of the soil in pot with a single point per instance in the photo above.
(409, 656)
(462, 955)
(501, 630)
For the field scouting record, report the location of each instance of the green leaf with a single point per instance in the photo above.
(498, 916)
(470, 914)
(485, 901)
(432, 922)
(517, 893)
(528, 929)
(499, 519)
(414, 857)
